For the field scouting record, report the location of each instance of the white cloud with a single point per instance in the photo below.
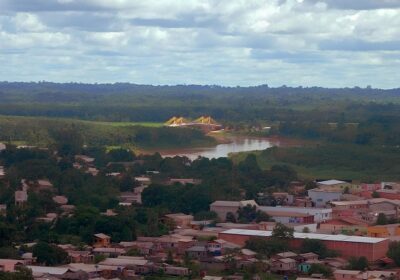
(202, 41)
(28, 22)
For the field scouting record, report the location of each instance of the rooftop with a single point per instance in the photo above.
(326, 191)
(102, 236)
(331, 182)
(300, 235)
(286, 214)
(226, 203)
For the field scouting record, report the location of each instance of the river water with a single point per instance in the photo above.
(236, 144)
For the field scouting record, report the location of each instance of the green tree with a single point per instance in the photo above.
(375, 194)
(281, 231)
(382, 219)
(394, 252)
(306, 230)
(21, 273)
(315, 246)
(320, 268)
(360, 263)
(49, 254)
(68, 140)
(230, 217)
(267, 247)
(170, 257)
(247, 214)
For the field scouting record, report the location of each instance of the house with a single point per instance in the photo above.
(198, 252)
(108, 251)
(60, 199)
(175, 243)
(28, 258)
(360, 275)
(285, 255)
(84, 159)
(48, 218)
(68, 209)
(97, 271)
(9, 265)
(321, 197)
(130, 197)
(285, 265)
(222, 208)
(384, 230)
(320, 214)
(333, 184)
(59, 272)
(44, 184)
(176, 270)
(143, 180)
(138, 264)
(190, 181)
(80, 256)
(3, 209)
(209, 277)
(2, 172)
(307, 257)
(180, 220)
(304, 267)
(349, 225)
(367, 210)
(247, 254)
(144, 248)
(219, 247)
(296, 227)
(21, 197)
(283, 198)
(290, 217)
(101, 240)
(92, 171)
(109, 213)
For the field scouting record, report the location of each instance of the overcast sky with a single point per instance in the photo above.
(330, 43)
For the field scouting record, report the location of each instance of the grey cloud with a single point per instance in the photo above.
(351, 44)
(81, 21)
(46, 5)
(358, 4)
(187, 21)
(290, 57)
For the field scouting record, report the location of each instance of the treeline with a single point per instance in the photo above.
(129, 102)
(345, 161)
(46, 132)
(376, 130)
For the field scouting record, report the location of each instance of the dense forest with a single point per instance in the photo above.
(130, 102)
(355, 132)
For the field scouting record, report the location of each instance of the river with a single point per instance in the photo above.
(236, 144)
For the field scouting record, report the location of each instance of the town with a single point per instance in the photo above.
(115, 215)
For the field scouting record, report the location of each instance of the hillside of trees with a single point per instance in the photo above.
(130, 102)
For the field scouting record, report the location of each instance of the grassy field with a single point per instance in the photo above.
(114, 124)
(40, 131)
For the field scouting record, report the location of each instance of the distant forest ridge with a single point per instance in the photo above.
(147, 103)
(137, 88)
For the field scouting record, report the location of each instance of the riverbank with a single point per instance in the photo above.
(227, 144)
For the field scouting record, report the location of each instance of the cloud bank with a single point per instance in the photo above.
(331, 43)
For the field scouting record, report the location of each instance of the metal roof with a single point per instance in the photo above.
(331, 182)
(300, 235)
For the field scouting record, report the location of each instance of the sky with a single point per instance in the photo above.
(330, 43)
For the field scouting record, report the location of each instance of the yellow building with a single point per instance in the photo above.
(384, 230)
